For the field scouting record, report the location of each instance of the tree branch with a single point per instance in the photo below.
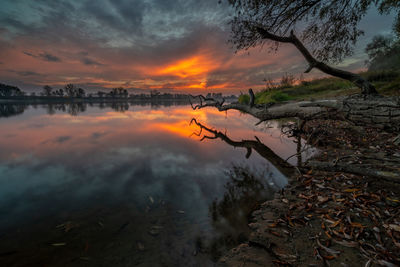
(366, 87)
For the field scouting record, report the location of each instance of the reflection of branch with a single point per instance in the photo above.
(261, 149)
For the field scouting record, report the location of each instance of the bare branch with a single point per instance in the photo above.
(366, 87)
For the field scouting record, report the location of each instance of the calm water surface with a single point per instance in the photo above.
(127, 185)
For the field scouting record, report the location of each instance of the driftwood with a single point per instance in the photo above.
(372, 111)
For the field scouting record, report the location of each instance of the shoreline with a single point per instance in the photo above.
(55, 100)
(322, 218)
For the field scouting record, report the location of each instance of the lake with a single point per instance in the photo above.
(128, 185)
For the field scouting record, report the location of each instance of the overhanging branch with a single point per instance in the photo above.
(366, 87)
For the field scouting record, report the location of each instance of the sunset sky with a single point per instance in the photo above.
(168, 45)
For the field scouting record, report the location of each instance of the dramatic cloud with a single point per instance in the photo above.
(171, 45)
(44, 56)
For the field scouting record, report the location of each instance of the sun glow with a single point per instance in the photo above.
(190, 67)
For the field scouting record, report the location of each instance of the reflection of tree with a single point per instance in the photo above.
(120, 106)
(75, 108)
(244, 191)
(8, 110)
(250, 145)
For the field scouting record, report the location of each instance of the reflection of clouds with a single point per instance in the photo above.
(97, 135)
(36, 125)
(62, 139)
(117, 157)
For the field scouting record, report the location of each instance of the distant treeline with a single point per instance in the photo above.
(72, 91)
(75, 108)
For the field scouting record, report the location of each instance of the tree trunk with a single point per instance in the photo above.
(366, 87)
(376, 112)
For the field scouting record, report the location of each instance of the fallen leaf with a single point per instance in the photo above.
(349, 244)
(335, 223)
(351, 190)
(322, 199)
(58, 244)
(358, 225)
(329, 250)
(394, 227)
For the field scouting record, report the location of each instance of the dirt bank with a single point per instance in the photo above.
(337, 218)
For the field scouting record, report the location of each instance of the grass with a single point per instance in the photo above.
(386, 82)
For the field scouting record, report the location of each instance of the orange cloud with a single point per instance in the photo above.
(198, 65)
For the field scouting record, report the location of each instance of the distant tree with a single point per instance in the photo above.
(9, 90)
(327, 30)
(119, 91)
(81, 92)
(70, 90)
(154, 93)
(47, 90)
(125, 93)
(60, 92)
(101, 94)
(287, 80)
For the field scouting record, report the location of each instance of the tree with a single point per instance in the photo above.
(101, 94)
(329, 29)
(47, 90)
(70, 90)
(81, 92)
(383, 53)
(8, 90)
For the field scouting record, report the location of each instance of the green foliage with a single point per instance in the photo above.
(383, 53)
(387, 83)
(271, 97)
(279, 97)
(244, 99)
(382, 76)
(330, 27)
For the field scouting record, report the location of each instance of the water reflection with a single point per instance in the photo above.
(11, 110)
(117, 185)
(244, 191)
(250, 145)
(75, 108)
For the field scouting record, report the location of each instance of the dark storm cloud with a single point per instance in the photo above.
(49, 57)
(44, 56)
(125, 15)
(88, 61)
(15, 24)
(25, 73)
(122, 35)
(62, 139)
